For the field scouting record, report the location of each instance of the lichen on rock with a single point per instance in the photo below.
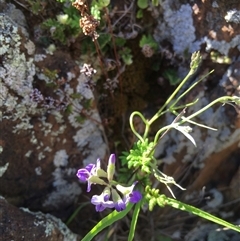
(16, 73)
(177, 27)
(39, 140)
(190, 27)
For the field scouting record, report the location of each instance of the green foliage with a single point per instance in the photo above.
(75, 96)
(143, 4)
(120, 42)
(139, 156)
(148, 40)
(51, 74)
(155, 3)
(126, 55)
(172, 76)
(36, 6)
(139, 13)
(64, 26)
(104, 40)
(141, 161)
(163, 238)
(95, 12)
(69, 109)
(80, 119)
(124, 52)
(97, 6)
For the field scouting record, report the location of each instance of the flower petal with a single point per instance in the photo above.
(135, 197)
(102, 201)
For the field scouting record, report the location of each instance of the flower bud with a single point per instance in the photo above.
(111, 167)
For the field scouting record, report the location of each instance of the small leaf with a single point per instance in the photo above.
(142, 4)
(140, 13)
(155, 3)
(172, 76)
(120, 42)
(75, 96)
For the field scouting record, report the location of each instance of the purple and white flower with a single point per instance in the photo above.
(120, 195)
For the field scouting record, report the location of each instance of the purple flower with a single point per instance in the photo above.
(133, 197)
(102, 201)
(120, 195)
(128, 194)
(119, 203)
(84, 173)
(91, 174)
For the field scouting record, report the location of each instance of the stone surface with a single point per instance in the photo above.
(21, 224)
(42, 144)
(211, 232)
(190, 25)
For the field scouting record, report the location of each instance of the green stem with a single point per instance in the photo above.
(158, 114)
(156, 138)
(222, 99)
(189, 89)
(144, 121)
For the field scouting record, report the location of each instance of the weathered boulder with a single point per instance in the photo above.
(50, 125)
(21, 224)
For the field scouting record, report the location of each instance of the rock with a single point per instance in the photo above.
(189, 26)
(21, 224)
(50, 125)
(211, 232)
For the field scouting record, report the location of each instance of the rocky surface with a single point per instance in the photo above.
(21, 224)
(46, 133)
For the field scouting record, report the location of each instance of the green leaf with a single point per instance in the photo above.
(106, 222)
(126, 55)
(149, 40)
(104, 39)
(75, 213)
(172, 76)
(103, 3)
(75, 96)
(95, 12)
(120, 42)
(142, 4)
(139, 13)
(134, 220)
(155, 3)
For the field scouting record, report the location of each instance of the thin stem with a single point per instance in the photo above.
(222, 99)
(190, 88)
(132, 126)
(156, 116)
